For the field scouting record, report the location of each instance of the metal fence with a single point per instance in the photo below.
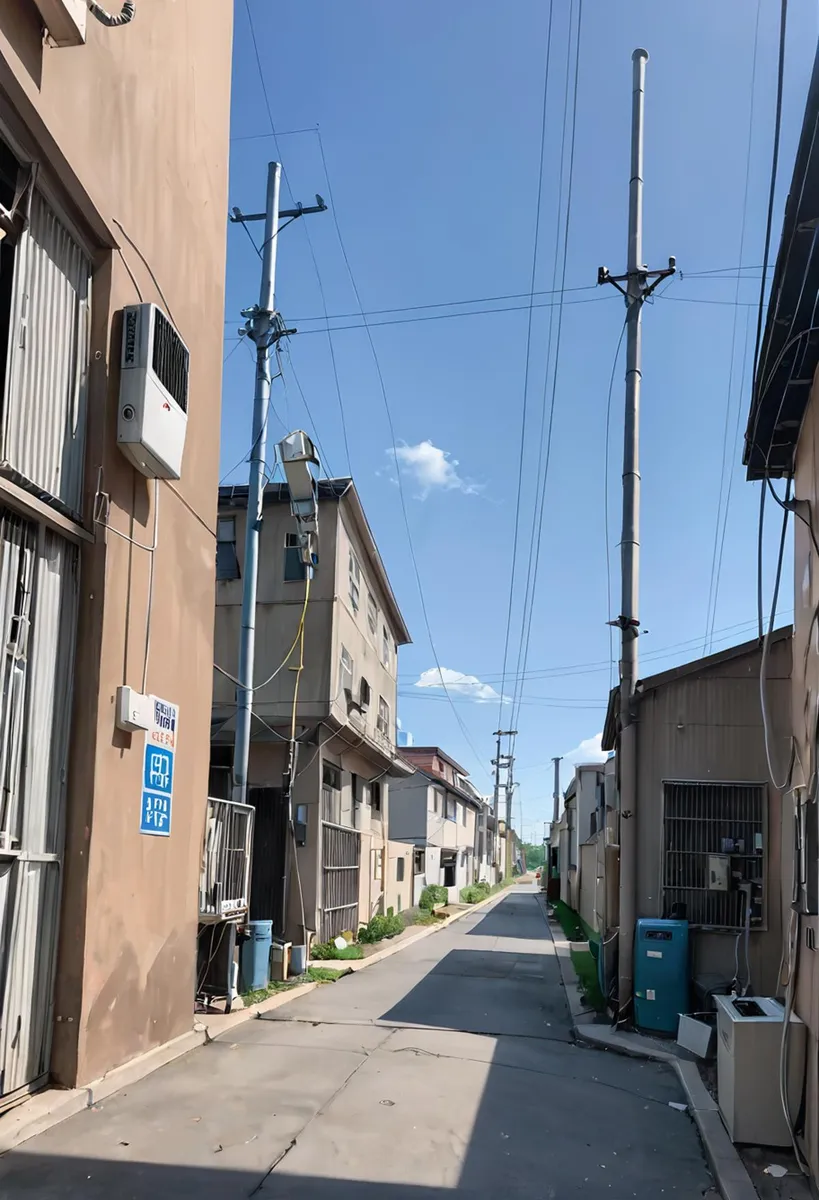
(224, 886)
(340, 858)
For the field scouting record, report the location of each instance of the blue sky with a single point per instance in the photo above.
(430, 120)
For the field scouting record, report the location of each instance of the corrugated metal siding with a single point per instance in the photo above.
(30, 869)
(44, 411)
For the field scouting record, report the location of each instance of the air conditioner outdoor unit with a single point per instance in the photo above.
(153, 392)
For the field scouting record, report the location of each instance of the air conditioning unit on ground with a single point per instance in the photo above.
(153, 392)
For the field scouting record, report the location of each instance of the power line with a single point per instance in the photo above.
(606, 499)
(399, 480)
(527, 360)
(543, 475)
(717, 553)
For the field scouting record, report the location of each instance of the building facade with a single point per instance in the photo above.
(709, 819)
(782, 443)
(436, 810)
(345, 715)
(113, 192)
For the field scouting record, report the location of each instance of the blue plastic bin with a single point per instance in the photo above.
(254, 958)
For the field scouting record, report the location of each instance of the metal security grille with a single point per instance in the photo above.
(705, 819)
(225, 881)
(170, 360)
(339, 894)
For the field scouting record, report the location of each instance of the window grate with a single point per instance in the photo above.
(171, 361)
(705, 819)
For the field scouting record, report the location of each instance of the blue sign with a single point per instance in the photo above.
(157, 771)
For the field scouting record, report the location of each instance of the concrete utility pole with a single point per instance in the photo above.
(264, 327)
(503, 762)
(636, 291)
(556, 794)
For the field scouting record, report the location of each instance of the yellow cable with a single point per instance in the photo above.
(299, 632)
(300, 667)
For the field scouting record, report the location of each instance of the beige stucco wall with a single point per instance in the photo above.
(133, 128)
(805, 704)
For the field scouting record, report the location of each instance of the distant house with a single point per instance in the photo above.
(436, 810)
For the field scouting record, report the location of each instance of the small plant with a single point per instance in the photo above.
(380, 927)
(433, 894)
(327, 950)
(427, 918)
(475, 892)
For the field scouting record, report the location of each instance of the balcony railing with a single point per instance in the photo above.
(224, 886)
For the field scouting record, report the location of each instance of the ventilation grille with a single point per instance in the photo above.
(701, 819)
(171, 360)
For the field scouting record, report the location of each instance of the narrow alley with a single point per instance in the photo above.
(450, 1066)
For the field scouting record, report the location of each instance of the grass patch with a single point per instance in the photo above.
(586, 970)
(311, 975)
(570, 922)
(325, 974)
(428, 918)
(326, 950)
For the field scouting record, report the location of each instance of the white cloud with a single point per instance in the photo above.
(458, 684)
(430, 469)
(588, 751)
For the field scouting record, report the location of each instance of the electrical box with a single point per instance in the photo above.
(153, 393)
(134, 711)
(661, 974)
(749, 1040)
(719, 873)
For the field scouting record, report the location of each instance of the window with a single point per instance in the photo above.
(355, 581)
(345, 671)
(365, 694)
(399, 870)
(294, 569)
(419, 861)
(437, 805)
(378, 863)
(372, 613)
(375, 796)
(385, 646)
(451, 808)
(331, 794)
(227, 564)
(714, 833)
(331, 777)
(300, 825)
(355, 788)
(383, 723)
(463, 814)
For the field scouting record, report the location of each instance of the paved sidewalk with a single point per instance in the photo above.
(448, 1066)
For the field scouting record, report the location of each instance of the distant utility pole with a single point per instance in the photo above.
(264, 327)
(636, 291)
(556, 794)
(504, 762)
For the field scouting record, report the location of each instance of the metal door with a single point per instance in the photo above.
(38, 608)
(340, 857)
(268, 859)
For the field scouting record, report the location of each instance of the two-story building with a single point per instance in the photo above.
(340, 869)
(436, 810)
(113, 193)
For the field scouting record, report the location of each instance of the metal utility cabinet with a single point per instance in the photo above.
(661, 976)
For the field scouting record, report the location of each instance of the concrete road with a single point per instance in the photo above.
(447, 1067)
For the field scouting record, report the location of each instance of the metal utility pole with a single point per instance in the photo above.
(556, 794)
(636, 291)
(264, 327)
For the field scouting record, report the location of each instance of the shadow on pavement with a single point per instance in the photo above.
(517, 916)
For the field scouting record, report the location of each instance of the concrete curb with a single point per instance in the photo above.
(51, 1106)
(732, 1179)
